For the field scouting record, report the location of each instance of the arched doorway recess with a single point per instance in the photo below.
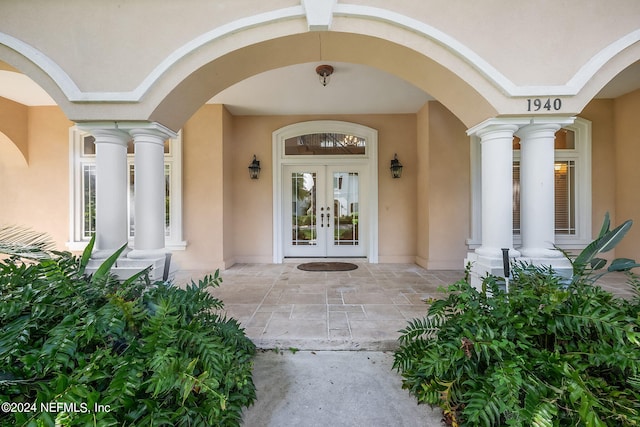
(325, 198)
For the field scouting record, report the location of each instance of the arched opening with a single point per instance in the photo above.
(424, 73)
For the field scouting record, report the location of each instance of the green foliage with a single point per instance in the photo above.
(546, 354)
(589, 266)
(21, 242)
(153, 354)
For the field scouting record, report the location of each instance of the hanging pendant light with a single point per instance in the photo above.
(324, 73)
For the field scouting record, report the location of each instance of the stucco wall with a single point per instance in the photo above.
(627, 171)
(449, 195)
(603, 163)
(228, 222)
(422, 189)
(252, 199)
(37, 195)
(202, 187)
(13, 119)
(253, 204)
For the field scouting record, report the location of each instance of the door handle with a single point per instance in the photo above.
(321, 220)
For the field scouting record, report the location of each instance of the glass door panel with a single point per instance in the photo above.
(322, 215)
(303, 191)
(346, 191)
(345, 208)
(303, 209)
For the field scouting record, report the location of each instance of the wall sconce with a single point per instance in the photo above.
(396, 167)
(324, 73)
(254, 168)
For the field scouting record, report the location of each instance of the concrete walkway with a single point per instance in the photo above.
(333, 389)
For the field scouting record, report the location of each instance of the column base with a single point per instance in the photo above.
(146, 254)
(102, 254)
(560, 265)
(482, 266)
(125, 267)
(544, 253)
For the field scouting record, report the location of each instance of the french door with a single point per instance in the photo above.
(322, 216)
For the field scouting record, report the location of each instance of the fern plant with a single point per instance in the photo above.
(125, 353)
(546, 354)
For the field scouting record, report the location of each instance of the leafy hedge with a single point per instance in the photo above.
(543, 355)
(548, 353)
(148, 353)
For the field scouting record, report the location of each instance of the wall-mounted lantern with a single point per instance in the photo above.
(254, 168)
(396, 167)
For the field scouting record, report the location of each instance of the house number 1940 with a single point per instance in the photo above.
(549, 104)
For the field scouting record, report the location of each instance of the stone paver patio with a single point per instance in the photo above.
(283, 307)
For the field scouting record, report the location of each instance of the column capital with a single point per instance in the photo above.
(541, 127)
(149, 128)
(106, 134)
(537, 131)
(494, 126)
(507, 123)
(127, 128)
(149, 136)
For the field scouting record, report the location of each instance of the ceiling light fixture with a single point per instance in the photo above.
(324, 73)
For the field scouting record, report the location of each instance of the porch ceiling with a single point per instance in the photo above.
(296, 89)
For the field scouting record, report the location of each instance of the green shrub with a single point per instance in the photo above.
(546, 354)
(551, 352)
(148, 353)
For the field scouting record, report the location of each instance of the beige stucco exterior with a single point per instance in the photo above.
(133, 61)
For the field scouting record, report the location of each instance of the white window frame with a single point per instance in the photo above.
(581, 155)
(77, 242)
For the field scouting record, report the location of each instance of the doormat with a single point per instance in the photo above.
(327, 266)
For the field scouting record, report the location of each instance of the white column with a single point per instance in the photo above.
(150, 192)
(111, 190)
(537, 201)
(497, 189)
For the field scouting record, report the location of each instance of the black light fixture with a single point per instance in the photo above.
(254, 168)
(396, 167)
(324, 73)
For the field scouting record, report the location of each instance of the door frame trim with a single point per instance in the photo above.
(370, 159)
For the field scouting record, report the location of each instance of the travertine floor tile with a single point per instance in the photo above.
(279, 305)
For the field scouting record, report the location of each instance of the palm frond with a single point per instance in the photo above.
(23, 242)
